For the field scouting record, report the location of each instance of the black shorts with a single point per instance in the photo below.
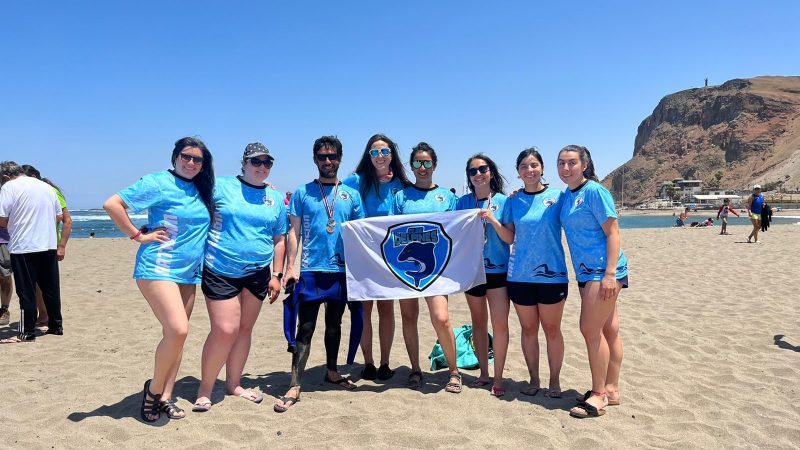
(532, 294)
(623, 281)
(493, 281)
(220, 287)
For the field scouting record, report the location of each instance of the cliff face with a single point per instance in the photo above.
(743, 132)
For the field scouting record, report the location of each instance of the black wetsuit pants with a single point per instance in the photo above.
(306, 322)
(29, 270)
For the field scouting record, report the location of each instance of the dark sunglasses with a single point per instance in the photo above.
(261, 162)
(196, 159)
(331, 157)
(472, 171)
(418, 164)
(385, 151)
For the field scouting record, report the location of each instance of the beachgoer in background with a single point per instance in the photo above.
(723, 212)
(709, 222)
(63, 232)
(169, 262)
(592, 231)
(29, 209)
(91, 235)
(426, 197)
(537, 269)
(287, 198)
(378, 176)
(6, 279)
(487, 193)
(755, 203)
(246, 235)
(682, 218)
(766, 216)
(317, 211)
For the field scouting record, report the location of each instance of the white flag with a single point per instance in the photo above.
(414, 255)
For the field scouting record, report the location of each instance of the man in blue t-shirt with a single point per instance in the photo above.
(316, 212)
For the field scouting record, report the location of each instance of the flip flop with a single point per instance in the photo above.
(530, 391)
(497, 391)
(201, 406)
(344, 382)
(479, 383)
(288, 402)
(255, 398)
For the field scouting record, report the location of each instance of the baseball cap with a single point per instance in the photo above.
(757, 186)
(256, 149)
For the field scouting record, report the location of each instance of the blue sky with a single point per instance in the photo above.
(94, 94)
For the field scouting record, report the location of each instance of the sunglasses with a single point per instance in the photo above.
(331, 157)
(196, 159)
(261, 162)
(418, 164)
(474, 170)
(385, 151)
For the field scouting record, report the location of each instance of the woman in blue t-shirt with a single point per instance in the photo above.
(180, 204)
(378, 176)
(246, 236)
(486, 186)
(537, 270)
(590, 225)
(426, 197)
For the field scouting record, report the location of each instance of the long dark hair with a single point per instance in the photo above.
(203, 181)
(366, 170)
(497, 182)
(586, 160)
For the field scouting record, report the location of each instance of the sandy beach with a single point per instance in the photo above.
(712, 360)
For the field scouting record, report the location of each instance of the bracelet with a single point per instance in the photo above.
(138, 233)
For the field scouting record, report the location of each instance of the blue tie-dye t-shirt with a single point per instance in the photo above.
(413, 200)
(323, 251)
(583, 213)
(537, 255)
(376, 204)
(241, 239)
(495, 251)
(173, 204)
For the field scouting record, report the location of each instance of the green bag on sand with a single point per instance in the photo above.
(465, 351)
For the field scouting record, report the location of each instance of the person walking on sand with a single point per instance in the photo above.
(487, 186)
(425, 197)
(169, 263)
(755, 202)
(537, 271)
(592, 231)
(378, 176)
(30, 210)
(246, 236)
(316, 212)
(723, 212)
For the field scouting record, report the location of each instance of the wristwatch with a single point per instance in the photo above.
(278, 275)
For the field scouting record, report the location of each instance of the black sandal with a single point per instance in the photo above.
(172, 410)
(151, 409)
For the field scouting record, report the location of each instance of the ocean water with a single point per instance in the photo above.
(86, 221)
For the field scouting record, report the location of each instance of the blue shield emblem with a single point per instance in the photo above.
(416, 252)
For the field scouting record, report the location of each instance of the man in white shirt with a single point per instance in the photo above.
(30, 209)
